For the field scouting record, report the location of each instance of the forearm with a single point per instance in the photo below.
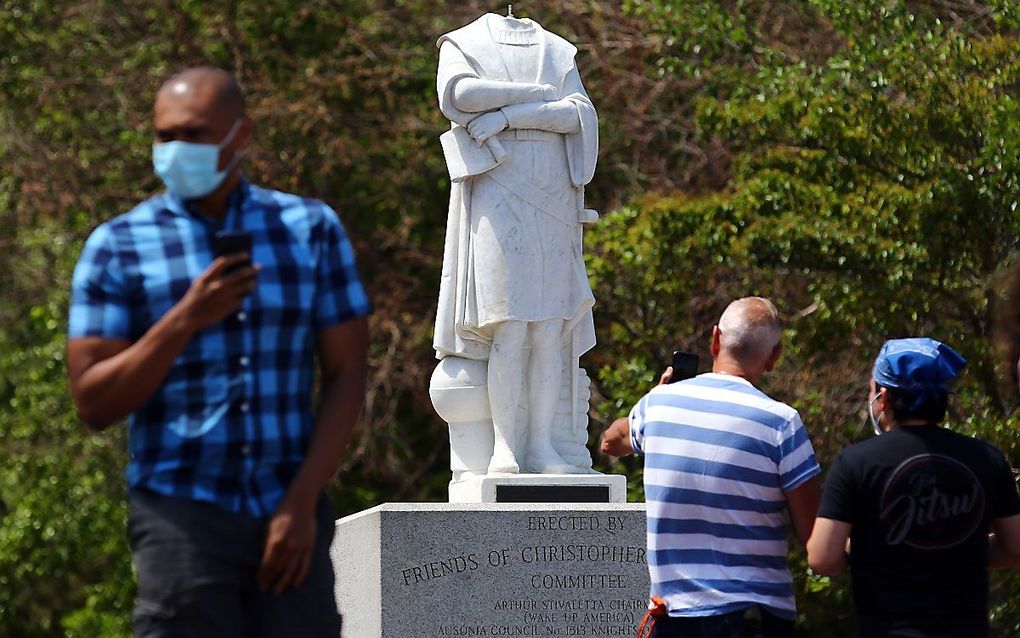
(334, 428)
(827, 546)
(803, 503)
(115, 387)
(832, 565)
(558, 117)
(474, 95)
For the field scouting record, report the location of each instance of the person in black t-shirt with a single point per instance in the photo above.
(916, 505)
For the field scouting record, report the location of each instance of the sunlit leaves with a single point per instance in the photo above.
(873, 194)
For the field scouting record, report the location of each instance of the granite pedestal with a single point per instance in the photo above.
(496, 569)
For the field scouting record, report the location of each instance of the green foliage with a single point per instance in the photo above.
(873, 195)
(62, 541)
(856, 161)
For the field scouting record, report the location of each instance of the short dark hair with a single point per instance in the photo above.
(908, 405)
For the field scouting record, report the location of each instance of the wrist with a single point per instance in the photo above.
(512, 114)
(181, 320)
(301, 496)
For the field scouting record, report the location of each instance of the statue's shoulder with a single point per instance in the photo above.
(560, 44)
(466, 35)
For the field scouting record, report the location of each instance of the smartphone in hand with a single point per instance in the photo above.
(685, 366)
(229, 242)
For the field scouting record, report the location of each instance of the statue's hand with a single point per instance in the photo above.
(550, 93)
(486, 125)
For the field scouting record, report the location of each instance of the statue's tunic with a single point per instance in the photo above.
(505, 258)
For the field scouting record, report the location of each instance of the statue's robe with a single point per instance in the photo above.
(506, 258)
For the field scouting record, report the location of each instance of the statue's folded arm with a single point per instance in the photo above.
(559, 117)
(475, 95)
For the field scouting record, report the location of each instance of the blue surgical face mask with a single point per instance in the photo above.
(189, 169)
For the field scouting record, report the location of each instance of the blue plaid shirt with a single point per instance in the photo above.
(232, 421)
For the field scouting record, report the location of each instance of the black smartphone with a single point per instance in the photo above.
(229, 242)
(685, 366)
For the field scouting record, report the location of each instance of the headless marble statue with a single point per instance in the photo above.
(514, 291)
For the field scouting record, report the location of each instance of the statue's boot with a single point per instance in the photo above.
(503, 465)
(543, 459)
(503, 461)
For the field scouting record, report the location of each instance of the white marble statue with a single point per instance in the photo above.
(515, 303)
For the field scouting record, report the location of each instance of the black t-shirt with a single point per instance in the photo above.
(920, 500)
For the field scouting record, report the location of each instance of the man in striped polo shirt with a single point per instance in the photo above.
(723, 464)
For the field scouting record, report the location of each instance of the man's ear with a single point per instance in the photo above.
(716, 335)
(883, 401)
(773, 357)
(245, 131)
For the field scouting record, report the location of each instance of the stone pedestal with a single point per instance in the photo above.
(413, 570)
(540, 488)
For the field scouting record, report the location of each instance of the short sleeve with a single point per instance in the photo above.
(340, 295)
(1005, 499)
(636, 420)
(838, 500)
(796, 455)
(99, 299)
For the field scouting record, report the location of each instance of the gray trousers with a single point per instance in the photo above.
(196, 566)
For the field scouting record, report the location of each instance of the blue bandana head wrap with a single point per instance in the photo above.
(920, 367)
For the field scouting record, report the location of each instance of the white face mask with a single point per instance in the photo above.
(871, 415)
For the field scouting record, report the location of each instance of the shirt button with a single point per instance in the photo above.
(244, 406)
(245, 450)
(241, 316)
(243, 361)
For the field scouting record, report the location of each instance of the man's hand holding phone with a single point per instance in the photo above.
(685, 366)
(616, 438)
(219, 290)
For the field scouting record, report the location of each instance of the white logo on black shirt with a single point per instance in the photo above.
(931, 501)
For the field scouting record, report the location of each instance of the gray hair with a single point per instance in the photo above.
(749, 329)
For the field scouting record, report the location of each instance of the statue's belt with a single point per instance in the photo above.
(528, 135)
(466, 159)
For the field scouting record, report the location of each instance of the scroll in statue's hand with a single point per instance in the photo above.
(486, 125)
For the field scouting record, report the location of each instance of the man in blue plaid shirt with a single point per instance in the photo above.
(212, 358)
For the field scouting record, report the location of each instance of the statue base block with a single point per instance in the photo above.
(540, 488)
(427, 570)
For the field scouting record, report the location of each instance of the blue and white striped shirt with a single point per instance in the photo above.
(719, 456)
(232, 420)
